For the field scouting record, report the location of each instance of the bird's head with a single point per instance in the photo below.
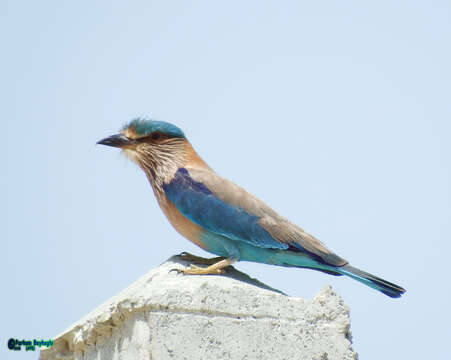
(158, 147)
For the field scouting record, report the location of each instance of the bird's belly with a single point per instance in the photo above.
(211, 242)
(182, 224)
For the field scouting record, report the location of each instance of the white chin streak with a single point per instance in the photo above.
(130, 154)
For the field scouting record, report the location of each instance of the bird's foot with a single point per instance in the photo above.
(197, 270)
(215, 269)
(199, 260)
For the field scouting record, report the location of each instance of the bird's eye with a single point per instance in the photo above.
(155, 136)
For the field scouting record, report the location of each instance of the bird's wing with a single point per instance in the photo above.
(223, 207)
(287, 232)
(195, 200)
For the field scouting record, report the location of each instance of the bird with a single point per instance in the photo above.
(221, 217)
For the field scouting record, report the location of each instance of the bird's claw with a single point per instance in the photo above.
(197, 270)
(178, 271)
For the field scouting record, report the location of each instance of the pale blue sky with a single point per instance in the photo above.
(337, 114)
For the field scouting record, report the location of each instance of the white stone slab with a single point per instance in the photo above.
(165, 315)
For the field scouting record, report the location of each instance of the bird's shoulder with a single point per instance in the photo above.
(231, 193)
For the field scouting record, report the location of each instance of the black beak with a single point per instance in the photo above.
(118, 140)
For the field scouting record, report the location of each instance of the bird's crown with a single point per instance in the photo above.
(142, 127)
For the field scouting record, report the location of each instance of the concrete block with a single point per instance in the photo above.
(166, 315)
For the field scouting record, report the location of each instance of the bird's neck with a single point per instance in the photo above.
(193, 160)
(164, 172)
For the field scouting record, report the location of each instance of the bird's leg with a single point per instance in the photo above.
(216, 268)
(199, 260)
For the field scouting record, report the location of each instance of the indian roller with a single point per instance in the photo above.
(220, 216)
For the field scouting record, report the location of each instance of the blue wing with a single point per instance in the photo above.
(202, 206)
(224, 208)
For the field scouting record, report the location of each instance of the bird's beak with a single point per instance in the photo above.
(118, 140)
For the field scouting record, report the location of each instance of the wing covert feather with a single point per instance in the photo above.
(282, 233)
(198, 203)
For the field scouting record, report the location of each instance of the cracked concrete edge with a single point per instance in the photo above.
(161, 290)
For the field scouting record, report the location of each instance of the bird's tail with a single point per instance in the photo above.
(382, 285)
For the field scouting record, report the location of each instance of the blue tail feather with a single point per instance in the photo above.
(387, 288)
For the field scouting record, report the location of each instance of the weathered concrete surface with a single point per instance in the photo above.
(165, 315)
